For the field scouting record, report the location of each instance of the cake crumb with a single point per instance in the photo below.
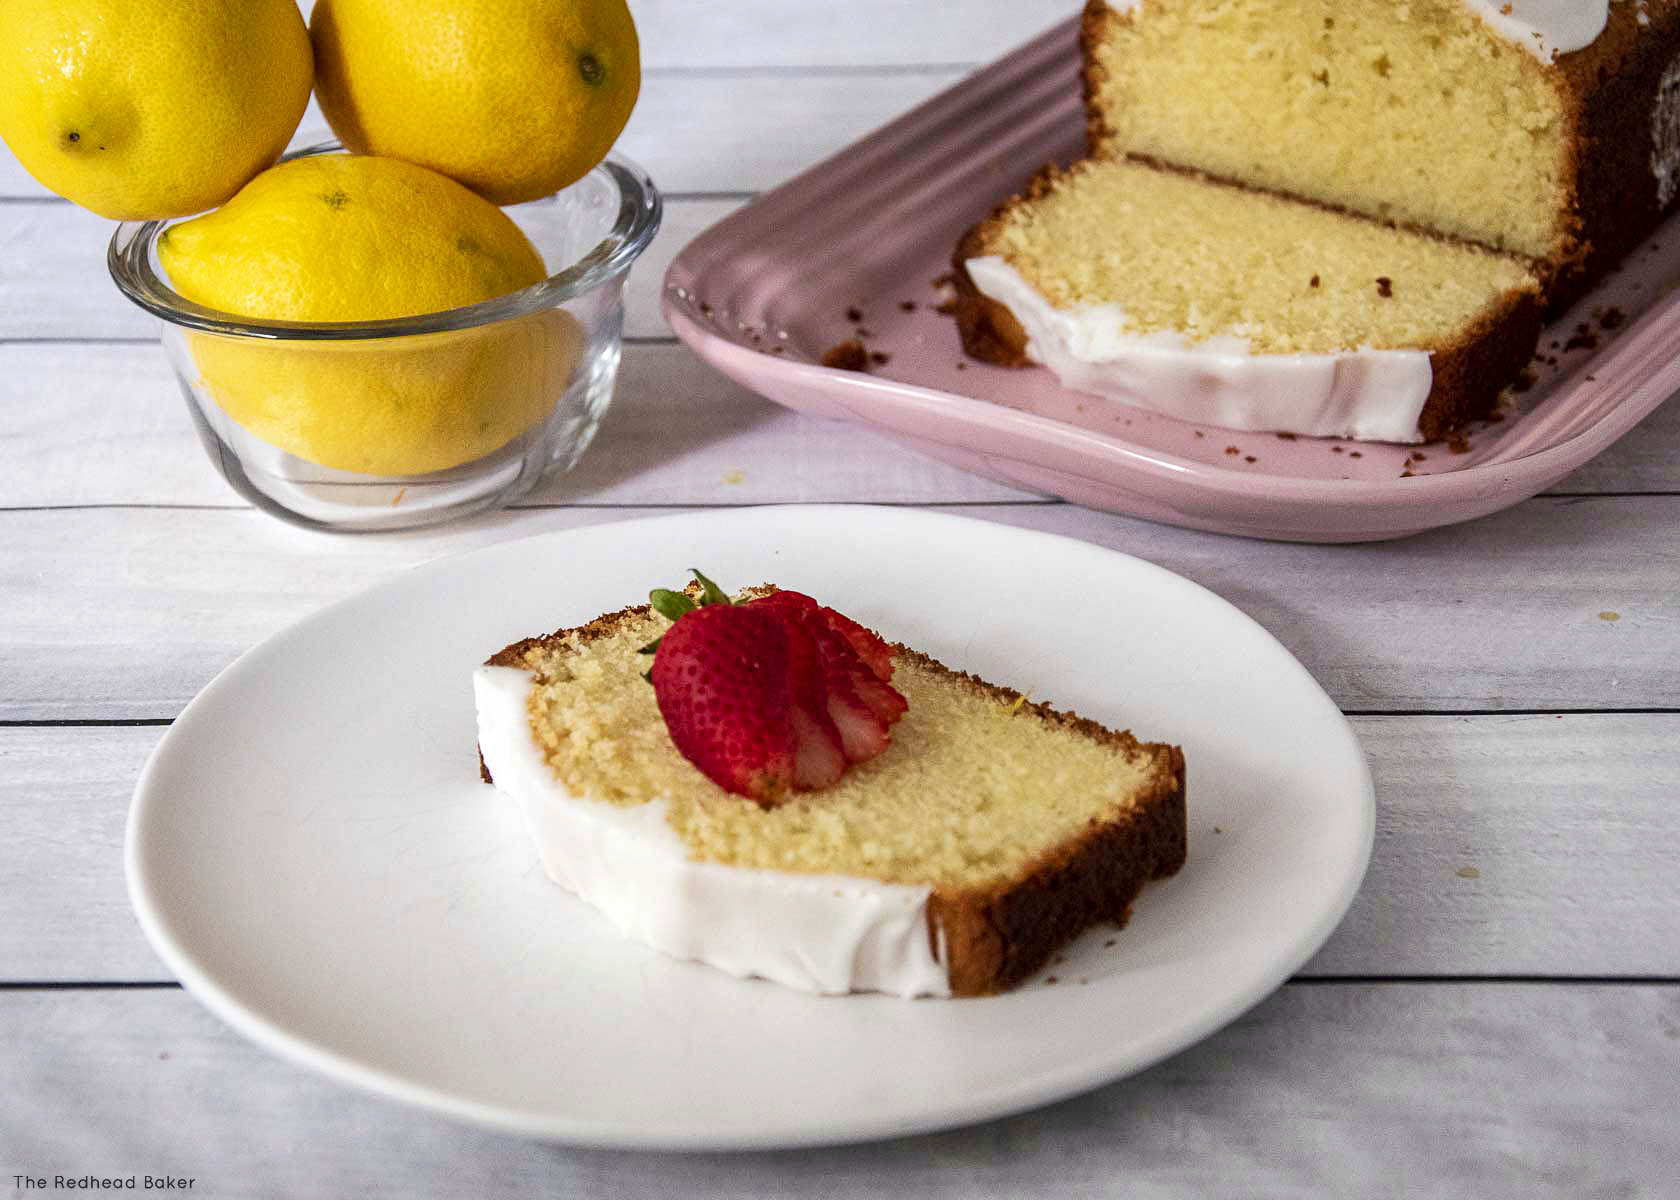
(1526, 379)
(854, 314)
(962, 366)
(398, 498)
(1288, 437)
(1469, 873)
(847, 356)
(736, 476)
(1611, 318)
(1108, 944)
(1408, 473)
(1609, 615)
(1217, 829)
(1458, 444)
(1356, 454)
(1385, 287)
(1232, 450)
(777, 350)
(1337, 450)
(1049, 979)
(705, 309)
(1200, 434)
(879, 359)
(907, 306)
(1582, 339)
(1313, 282)
(1250, 458)
(865, 332)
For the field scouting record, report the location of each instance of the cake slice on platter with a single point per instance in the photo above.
(1222, 305)
(783, 794)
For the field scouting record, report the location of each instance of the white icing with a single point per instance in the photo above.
(1371, 395)
(820, 933)
(1545, 28)
(1665, 135)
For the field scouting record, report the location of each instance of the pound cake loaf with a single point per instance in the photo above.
(952, 859)
(1223, 305)
(1548, 129)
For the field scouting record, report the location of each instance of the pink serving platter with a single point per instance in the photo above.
(856, 248)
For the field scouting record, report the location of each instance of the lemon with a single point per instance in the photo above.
(514, 98)
(350, 238)
(139, 109)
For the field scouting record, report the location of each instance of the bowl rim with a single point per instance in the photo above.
(129, 258)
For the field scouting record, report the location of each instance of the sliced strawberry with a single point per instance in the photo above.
(819, 756)
(861, 706)
(775, 694)
(723, 681)
(875, 652)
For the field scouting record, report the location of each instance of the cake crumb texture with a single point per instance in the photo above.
(1410, 112)
(1179, 253)
(973, 788)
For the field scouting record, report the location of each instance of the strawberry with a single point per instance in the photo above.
(773, 695)
(861, 704)
(723, 681)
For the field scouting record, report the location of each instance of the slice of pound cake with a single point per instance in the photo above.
(783, 794)
(1227, 306)
(1546, 128)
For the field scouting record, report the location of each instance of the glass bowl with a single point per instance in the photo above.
(390, 424)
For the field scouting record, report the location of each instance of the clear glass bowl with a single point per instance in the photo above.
(463, 410)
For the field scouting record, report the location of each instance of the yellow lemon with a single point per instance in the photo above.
(514, 98)
(349, 238)
(139, 109)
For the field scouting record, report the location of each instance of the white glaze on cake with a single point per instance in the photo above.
(1371, 395)
(1545, 28)
(820, 933)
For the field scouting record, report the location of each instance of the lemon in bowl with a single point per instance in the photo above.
(365, 344)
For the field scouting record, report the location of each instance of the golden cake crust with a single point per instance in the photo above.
(994, 937)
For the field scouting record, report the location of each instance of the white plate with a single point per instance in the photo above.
(311, 852)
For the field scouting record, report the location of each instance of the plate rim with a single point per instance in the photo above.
(1044, 1088)
(1486, 487)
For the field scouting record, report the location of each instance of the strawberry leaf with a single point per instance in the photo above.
(672, 605)
(710, 593)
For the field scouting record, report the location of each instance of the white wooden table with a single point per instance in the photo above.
(1499, 1013)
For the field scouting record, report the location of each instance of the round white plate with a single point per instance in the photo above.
(311, 852)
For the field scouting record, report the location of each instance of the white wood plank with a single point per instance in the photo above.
(1558, 603)
(63, 804)
(706, 133)
(55, 284)
(729, 132)
(128, 612)
(1516, 845)
(1381, 1092)
(865, 33)
(1505, 846)
(106, 424)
